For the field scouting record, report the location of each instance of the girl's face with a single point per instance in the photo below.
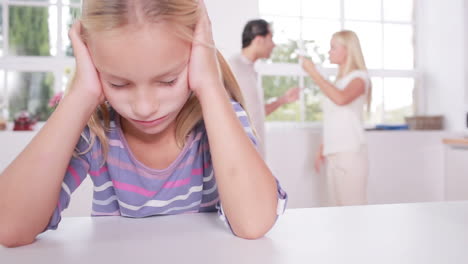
(337, 52)
(143, 73)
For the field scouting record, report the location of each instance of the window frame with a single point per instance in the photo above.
(55, 64)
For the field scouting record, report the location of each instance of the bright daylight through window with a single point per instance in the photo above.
(35, 54)
(385, 29)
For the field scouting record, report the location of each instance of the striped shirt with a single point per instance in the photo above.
(124, 186)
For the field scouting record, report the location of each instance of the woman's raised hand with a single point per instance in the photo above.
(307, 65)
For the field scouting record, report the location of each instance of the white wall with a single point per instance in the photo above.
(441, 57)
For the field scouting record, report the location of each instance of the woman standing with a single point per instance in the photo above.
(344, 147)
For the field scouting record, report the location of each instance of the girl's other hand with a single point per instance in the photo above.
(86, 77)
(204, 71)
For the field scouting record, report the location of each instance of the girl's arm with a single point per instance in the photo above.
(30, 185)
(247, 188)
(355, 88)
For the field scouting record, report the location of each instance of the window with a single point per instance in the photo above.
(35, 53)
(385, 29)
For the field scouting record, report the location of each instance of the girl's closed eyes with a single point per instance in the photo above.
(164, 83)
(118, 85)
(170, 83)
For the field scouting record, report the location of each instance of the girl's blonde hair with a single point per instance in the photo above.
(355, 58)
(98, 16)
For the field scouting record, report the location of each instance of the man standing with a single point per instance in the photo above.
(257, 43)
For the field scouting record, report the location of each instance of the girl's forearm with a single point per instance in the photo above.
(246, 186)
(30, 185)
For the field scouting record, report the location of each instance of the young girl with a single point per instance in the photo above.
(343, 134)
(160, 127)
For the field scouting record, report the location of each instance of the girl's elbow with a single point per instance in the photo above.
(255, 231)
(251, 234)
(13, 235)
(12, 243)
(9, 237)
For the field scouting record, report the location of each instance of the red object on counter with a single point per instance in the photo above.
(24, 122)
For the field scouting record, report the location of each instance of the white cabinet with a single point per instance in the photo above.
(456, 172)
(404, 166)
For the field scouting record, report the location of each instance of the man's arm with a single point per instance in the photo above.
(289, 96)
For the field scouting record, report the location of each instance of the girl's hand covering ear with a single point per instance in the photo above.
(86, 79)
(204, 71)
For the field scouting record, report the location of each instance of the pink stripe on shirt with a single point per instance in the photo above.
(178, 183)
(130, 167)
(197, 171)
(75, 175)
(133, 188)
(99, 172)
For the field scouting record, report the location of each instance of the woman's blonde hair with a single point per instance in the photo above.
(355, 58)
(98, 16)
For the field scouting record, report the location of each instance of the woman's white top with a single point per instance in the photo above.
(343, 126)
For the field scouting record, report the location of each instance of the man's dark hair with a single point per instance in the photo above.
(253, 28)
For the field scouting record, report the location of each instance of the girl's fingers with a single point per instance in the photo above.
(203, 31)
(79, 48)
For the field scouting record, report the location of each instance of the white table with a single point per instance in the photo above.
(399, 233)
